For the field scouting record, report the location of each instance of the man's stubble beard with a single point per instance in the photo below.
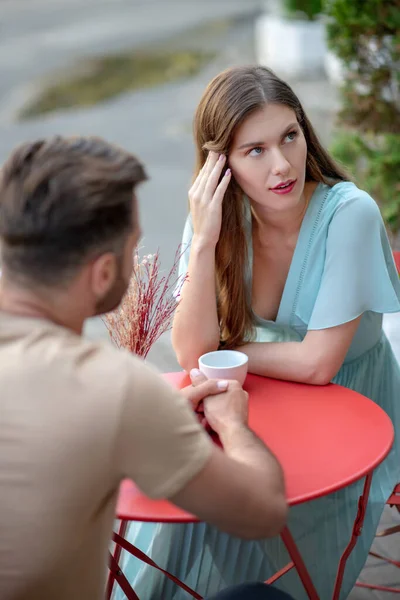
(114, 296)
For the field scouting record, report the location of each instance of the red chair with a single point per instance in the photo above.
(394, 501)
(396, 256)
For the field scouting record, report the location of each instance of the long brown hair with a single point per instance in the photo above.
(231, 97)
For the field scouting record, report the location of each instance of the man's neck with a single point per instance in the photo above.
(41, 304)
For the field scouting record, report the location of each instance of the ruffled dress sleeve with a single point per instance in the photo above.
(359, 273)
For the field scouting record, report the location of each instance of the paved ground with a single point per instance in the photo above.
(41, 37)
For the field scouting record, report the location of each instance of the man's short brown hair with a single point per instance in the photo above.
(63, 201)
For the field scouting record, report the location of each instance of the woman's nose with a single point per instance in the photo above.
(281, 166)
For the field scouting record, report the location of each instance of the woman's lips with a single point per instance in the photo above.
(284, 190)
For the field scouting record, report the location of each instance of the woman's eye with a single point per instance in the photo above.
(255, 151)
(291, 136)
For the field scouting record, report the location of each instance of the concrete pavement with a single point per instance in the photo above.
(39, 37)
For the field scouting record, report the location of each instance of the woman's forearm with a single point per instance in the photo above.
(289, 361)
(316, 359)
(195, 328)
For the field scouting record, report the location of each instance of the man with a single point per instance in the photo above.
(77, 417)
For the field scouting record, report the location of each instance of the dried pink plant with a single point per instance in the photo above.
(148, 306)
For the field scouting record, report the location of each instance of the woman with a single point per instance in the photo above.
(289, 262)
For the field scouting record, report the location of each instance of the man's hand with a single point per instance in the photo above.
(223, 411)
(201, 388)
(226, 412)
(241, 490)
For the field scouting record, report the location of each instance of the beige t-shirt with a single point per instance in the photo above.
(77, 417)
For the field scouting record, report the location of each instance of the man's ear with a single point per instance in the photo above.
(103, 274)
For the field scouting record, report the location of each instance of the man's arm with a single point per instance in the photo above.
(167, 453)
(240, 490)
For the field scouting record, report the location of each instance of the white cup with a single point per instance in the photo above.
(224, 364)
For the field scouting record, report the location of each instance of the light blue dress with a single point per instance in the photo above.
(342, 267)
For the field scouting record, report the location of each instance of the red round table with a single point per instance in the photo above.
(325, 437)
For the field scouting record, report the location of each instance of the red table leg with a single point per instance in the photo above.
(357, 529)
(122, 580)
(116, 556)
(120, 577)
(299, 564)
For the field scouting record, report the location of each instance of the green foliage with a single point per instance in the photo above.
(365, 35)
(374, 161)
(308, 8)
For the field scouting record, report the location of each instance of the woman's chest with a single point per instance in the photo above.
(270, 273)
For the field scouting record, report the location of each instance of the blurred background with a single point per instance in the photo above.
(133, 71)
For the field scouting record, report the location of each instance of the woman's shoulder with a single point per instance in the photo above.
(347, 193)
(347, 199)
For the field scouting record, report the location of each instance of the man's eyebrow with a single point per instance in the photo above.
(255, 144)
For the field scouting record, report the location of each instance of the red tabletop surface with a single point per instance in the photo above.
(325, 437)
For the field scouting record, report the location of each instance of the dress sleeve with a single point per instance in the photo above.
(185, 253)
(359, 272)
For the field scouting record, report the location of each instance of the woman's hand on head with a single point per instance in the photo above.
(206, 196)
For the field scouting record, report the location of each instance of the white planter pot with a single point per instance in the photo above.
(292, 48)
(334, 69)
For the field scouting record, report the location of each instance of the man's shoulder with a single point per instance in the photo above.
(102, 362)
(87, 366)
(43, 353)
